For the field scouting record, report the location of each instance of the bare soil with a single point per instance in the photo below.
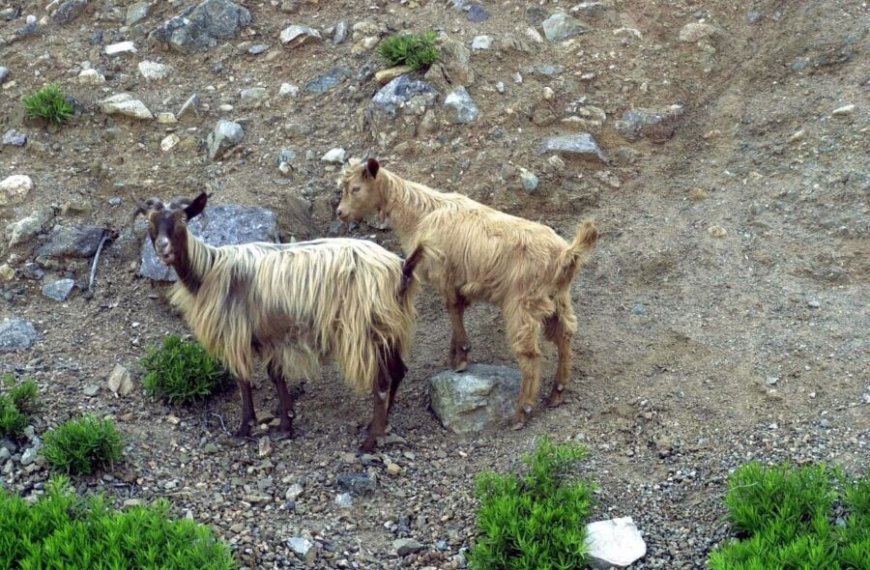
(695, 353)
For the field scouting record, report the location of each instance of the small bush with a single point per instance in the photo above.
(182, 372)
(415, 51)
(796, 517)
(538, 521)
(16, 403)
(83, 446)
(49, 103)
(63, 531)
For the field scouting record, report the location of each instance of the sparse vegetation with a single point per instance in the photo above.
(414, 50)
(17, 402)
(796, 517)
(83, 446)
(182, 372)
(62, 530)
(538, 521)
(49, 103)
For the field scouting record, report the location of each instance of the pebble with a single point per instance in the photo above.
(14, 189)
(296, 35)
(152, 70)
(125, 104)
(4, 74)
(344, 500)
(120, 381)
(59, 290)
(529, 180)
(481, 43)
(225, 135)
(91, 77)
(120, 48)
(580, 145)
(406, 546)
(293, 492)
(288, 90)
(844, 110)
(91, 390)
(303, 548)
(252, 97)
(560, 26)
(335, 155)
(169, 142)
(14, 138)
(696, 31)
(460, 101)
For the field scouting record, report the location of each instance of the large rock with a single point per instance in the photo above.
(226, 134)
(201, 27)
(482, 397)
(453, 68)
(399, 92)
(14, 189)
(17, 334)
(125, 104)
(658, 125)
(560, 26)
(614, 543)
(582, 145)
(219, 225)
(72, 241)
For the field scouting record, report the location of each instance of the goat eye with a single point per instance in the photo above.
(355, 189)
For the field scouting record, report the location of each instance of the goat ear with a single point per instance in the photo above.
(197, 206)
(372, 167)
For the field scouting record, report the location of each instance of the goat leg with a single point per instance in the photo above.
(459, 347)
(248, 417)
(285, 425)
(380, 394)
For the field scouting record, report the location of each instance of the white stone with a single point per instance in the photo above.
(120, 47)
(152, 70)
(481, 42)
(125, 104)
(166, 118)
(288, 90)
(336, 155)
(297, 35)
(14, 189)
(91, 77)
(169, 142)
(615, 542)
(844, 110)
(120, 381)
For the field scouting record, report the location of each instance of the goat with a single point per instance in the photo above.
(474, 252)
(296, 306)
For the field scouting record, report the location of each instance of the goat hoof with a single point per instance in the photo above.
(555, 399)
(280, 434)
(461, 367)
(368, 445)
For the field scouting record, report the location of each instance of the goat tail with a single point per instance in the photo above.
(577, 252)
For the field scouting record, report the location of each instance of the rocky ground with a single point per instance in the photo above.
(721, 145)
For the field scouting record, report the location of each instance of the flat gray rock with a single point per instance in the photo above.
(560, 26)
(479, 398)
(580, 145)
(68, 11)
(228, 224)
(59, 290)
(17, 334)
(655, 124)
(71, 241)
(201, 27)
(398, 92)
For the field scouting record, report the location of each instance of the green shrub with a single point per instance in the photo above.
(83, 446)
(61, 530)
(796, 517)
(49, 103)
(182, 372)
(16, 403)
(534, 522)
(413, 50)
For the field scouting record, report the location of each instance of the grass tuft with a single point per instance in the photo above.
(796, 517)
(17, 402)
(49, 103)
(537, 521)
(414, 50)
(61, 530)
(83, 446)
(182, 372)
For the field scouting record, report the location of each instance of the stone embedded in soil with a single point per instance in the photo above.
(398, 92)
(72, 241)
(344, 500)
(528, 180)
(580, 145)
(137, 12)
(325, 82)
(125, 104)
(303, 548)
(59, 290)
(120, 381)
(384, 76)
(201, 27)
(615, 542)
(335, 155)
(406, 546)
(560, 26)
(225, 135)
(453, 68)
(252, 97)
(68, 11)
(481, 43)
(655, 124)
(460, 101)
(153, 71)
(225, 224)
(697, 31)
(17, 334)
(14, 138)
(296, 35)
(479, 398)
(190, 107)
(341, 32)
(357, 483)
(91, 77)
(293, 492)
(14, 189)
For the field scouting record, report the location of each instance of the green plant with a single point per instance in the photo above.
(796, 517)
(182, 372)
(83, 445)
(414, 50)
(538, 521)
(49, 103)
(61, 530)
(15, 406)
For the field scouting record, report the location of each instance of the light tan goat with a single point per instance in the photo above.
(474, 252)
(295, 306)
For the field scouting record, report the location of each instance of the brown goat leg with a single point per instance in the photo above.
(557, 332)
(459, 347)
(397, 369)
(380, 395)
(524, 331)
(285, 425)
(248, 417)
